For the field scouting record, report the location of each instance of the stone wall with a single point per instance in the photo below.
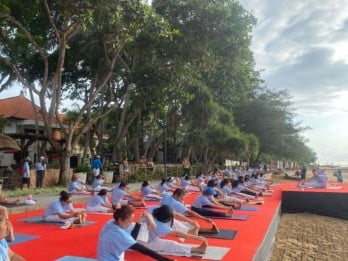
(14, 180)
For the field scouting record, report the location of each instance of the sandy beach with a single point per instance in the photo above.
(304, 236)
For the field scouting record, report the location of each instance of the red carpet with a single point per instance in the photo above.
(54, 243)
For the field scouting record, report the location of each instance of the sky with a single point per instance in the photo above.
(302, 47)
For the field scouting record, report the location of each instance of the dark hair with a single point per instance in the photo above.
(64, 196)
(102, 192)
(164, 214)
(123, 184)
(178, 192)
(186, 177)
(211, 183)
(145, 183)
(123, 213)
(235, 183)
(163, 181)
(224, 182)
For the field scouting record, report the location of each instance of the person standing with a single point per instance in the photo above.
(26, 173)
(97, 166)
(40, 172)
(340, 177)
(186, 165)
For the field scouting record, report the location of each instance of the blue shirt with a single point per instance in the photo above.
(201, 201)
(146, 191)
(113, 241)
(4, 250)
(26, 168)
(161, 230)
(97, 164)
(97, 182)
(176, 205)
(56, 207)
(97, 200)
(117, 194)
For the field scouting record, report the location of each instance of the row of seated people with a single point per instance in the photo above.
(169, 217)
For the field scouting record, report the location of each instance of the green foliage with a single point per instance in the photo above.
(83, 168)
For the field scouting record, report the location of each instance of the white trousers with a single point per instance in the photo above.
(165, 245)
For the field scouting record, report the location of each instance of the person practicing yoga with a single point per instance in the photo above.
(77, 186)
(100, 203)
(189, 185)
(119, 234)
(181, 221)
(163, 219)
(62, 210)
(121, 196)
(6, 201)
(149, 192)
(6, 252)
(206, 206)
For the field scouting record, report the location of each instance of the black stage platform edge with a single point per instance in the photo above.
(264, 251)
(332, 204)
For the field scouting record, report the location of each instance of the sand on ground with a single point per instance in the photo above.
(305, 237)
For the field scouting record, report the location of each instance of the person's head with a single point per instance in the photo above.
(145, 183)
(164, 214)
(186, 177)
(170, 179)
(124, 216)
(179, 194)
(3, 222)
(74, 177)
(164, 180)
(123, 185)
(212, 183)
(103, 192)
(3, 226)
(65, 197)
(224, 182)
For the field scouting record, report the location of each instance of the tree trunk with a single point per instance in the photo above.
(64, 168)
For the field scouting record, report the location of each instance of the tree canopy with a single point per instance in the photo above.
(179, 73)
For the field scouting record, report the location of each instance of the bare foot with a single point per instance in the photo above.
(199, 250)
(230, 212)
(215, 228)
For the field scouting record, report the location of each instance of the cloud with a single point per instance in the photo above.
(301, 46)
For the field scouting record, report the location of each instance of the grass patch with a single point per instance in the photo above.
(32, 191)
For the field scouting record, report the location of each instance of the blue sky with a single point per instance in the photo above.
(302, 47)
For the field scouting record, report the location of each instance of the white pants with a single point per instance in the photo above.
(192, 188)
(152, 197)
(182, 226)
(96, 172)
(56, 218)
(98, 208)
(233, 199)
(165, 245)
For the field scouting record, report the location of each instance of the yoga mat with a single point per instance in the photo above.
(17, 205)
(234, 217)
(40, 220)
(212, 253)
(224, 233)
(248, 208)
(21, 238)
(75, 258)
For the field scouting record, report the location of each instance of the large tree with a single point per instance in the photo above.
(68, 49)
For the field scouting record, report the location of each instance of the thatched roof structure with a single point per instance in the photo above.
(7, 142)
